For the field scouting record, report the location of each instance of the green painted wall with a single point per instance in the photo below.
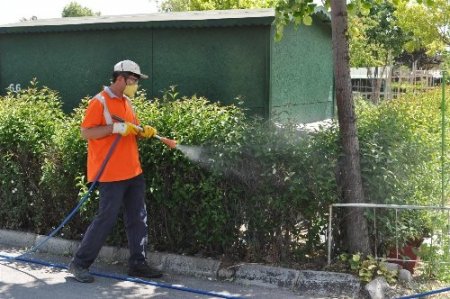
(221, 59)
(76, 64)
(219, 63)
(302, 74)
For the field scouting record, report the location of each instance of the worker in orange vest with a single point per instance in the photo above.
(122, 183)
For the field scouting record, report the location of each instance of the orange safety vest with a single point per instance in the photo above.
(124, 162)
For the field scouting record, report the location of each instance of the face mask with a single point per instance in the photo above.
(130, 90)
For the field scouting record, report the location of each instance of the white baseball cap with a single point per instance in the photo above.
(129, 66)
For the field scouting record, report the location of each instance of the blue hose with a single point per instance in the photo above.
(122, 277)
(81, 202)
(429, 293)
(21, 257)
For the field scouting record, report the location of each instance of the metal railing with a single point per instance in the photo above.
(381, 206)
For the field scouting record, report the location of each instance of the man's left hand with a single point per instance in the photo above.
(148, 132)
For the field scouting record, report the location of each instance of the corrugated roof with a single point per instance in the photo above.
(215, 18)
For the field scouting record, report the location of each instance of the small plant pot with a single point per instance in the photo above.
(407, 252)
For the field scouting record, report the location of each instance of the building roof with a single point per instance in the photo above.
(214, 18)
(192, 19)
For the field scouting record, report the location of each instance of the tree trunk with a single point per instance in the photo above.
(376, 87)
(388, 67)
(356, 230)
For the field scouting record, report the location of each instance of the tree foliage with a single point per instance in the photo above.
(375, 36)
(289, 11)
(73, 9)
(192, 5)
(427, 25)
(350, 181)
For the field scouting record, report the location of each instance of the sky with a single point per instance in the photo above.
(11, 11)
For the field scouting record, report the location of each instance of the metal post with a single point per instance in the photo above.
(375, 230)
(330, 234)
(397, 208)
(447, 234)
(443, 108)
(431, 248)
(396, 233)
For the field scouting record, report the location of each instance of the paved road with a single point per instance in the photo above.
(30, 281)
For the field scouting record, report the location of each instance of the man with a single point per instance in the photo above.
(121, 183)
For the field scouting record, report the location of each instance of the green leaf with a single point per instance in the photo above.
(356, 258)
(366, 5)
(365, 11)
(351, 7)
(307, 20)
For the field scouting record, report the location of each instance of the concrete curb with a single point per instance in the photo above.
(260, 275)
(323, 283)
(15, 238)
(312, 283)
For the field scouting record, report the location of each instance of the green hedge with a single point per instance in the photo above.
(258, 192)
(401, 162)
(29, 122)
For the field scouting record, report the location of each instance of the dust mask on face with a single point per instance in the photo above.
(130, 90)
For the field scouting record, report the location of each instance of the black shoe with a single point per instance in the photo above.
(81, 274)
(144, 270)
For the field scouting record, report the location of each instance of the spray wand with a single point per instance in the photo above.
(169, 142)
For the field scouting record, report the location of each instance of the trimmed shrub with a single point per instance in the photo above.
(29, 122)
(400, 143)
(238, 186)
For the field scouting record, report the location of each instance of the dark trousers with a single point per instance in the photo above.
(113, 195)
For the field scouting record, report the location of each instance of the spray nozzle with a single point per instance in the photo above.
(169, 142)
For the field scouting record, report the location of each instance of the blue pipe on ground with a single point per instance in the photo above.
(21, 257)
(425, 294)
(121, 277)
(81, 202)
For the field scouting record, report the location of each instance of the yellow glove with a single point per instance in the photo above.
(148, 132)
(125, 129)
